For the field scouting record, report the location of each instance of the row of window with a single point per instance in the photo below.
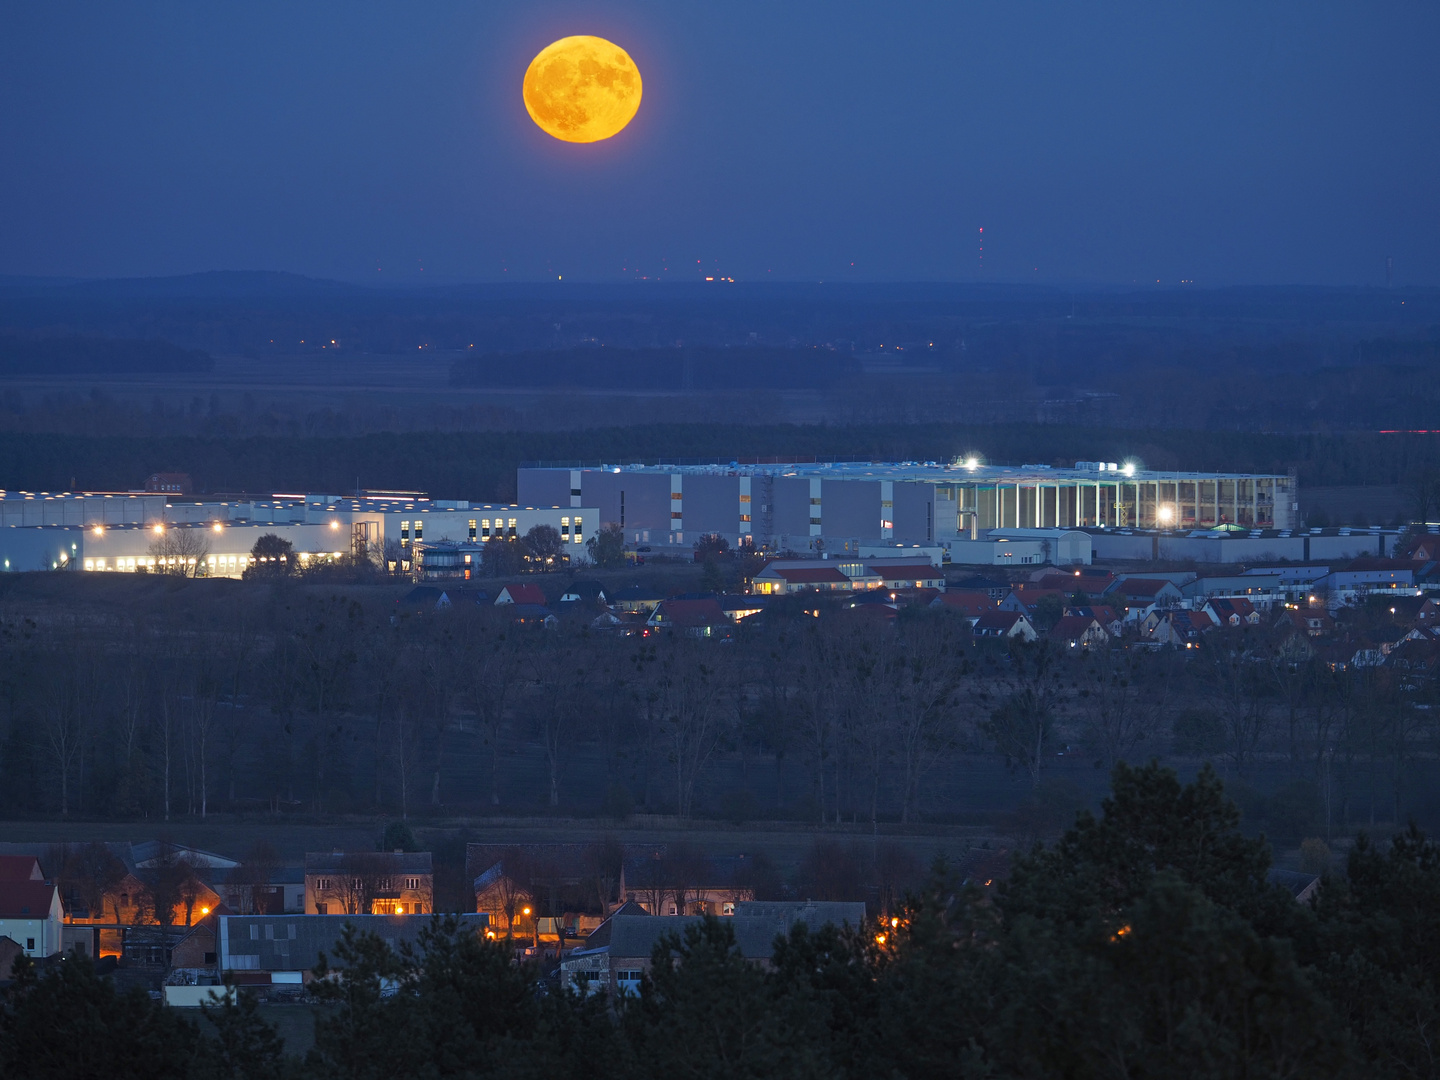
(324, 884)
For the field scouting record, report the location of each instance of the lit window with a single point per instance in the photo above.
(577, 530)
(744, 498)
(404, 533)
(472, 528)
(676, 496)
(418, 526)
(485, 528)
(512, 526)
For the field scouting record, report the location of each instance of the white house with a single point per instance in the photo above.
(31, 915)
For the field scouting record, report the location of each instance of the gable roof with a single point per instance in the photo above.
(521, 594)
(972, 604)
(20, 868)
(999, 621)
(1074, 627)
(689, 613)
(26, 899)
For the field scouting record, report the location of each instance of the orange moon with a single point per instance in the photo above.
(582, 89)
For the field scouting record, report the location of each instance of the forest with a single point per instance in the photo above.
(165, 698)
(1146, 943)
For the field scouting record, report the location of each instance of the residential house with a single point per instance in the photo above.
(1143, 592)
(1231, 611)
(636, 598)
(1080, 632)
(1311, 621)
(911, 574)
(1005, 624)
(1091, 583)
(675, 883)
(509, 878)
(1104, 614)
(699, 618)
(782, 580)
(521, 594)
(369, 883)
(1180, 628)
(32, 916)
(532, 615)
(1028, 600)
(741, 607)
(280, 951)
(996, 590)
(590, 593)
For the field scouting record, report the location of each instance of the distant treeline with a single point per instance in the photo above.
(481, 465)
(74, 355)
(658, 369)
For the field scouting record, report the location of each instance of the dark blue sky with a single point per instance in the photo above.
(1251, 142)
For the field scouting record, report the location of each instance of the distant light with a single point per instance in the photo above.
(204, 911)
(158, 529)
(217, 527)
(99, 530)
(1129, 468)
(334, 524)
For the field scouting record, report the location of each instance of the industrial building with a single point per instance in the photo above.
(129, 532)
(838, 506)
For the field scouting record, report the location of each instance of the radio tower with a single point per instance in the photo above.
(982, 249)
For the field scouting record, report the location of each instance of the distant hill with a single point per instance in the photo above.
(97, 356)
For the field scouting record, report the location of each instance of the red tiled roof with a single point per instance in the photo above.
(25, 899)
(689, 613)
(20, 868)
(525, 594)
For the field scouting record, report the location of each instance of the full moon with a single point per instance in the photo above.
(582, 89)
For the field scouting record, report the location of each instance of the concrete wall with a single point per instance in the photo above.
(791, 518)
(914, 513)
(852, 509)
(712, 505)
(543, 487)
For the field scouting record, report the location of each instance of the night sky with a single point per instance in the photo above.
(1222, 143)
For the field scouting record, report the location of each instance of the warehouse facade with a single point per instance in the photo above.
(836, 506)
(127, 532)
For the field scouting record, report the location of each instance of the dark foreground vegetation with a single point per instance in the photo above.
(128, 696)
(1145, 943)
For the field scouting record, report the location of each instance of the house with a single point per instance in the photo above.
(636, 598)
(1090, 583)
(1180, 628)
(615, 958)
(521, 594)
(1004, 624)
(738, 608)
(369, 883)
(1312, 622)
(276, 891)
(1143, 591)
(32, 916)
(1231, 611)
(699, 618)
(996, 590)
(666, 882)
(587, 592)
(782, 580)
(533, 615)
(970, 605)
(1104, 614)
(1421, 549)
(281, 950)
(1418, 658)
(1028, 600)
(1080, 631)
(915, 574)
(168, 483)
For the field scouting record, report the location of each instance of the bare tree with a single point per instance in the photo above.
(1120, 711)
(180, 550)
(1023, 723)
